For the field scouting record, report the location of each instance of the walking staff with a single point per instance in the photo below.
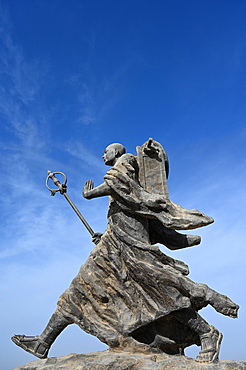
(62, 188)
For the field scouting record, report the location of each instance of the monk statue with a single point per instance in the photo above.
(128, 293)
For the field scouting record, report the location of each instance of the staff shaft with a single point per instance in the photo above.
(79, 214)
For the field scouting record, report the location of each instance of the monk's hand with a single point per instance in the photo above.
(96, 238)
(86, 192)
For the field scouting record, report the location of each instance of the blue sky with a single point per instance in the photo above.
(76, 76)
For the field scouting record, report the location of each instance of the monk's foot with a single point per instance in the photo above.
(223, 304)
(33, 345)
(210, 344)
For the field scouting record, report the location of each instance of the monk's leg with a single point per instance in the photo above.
(39, 345)
(222, 304)
(201, 295)
(209, 336)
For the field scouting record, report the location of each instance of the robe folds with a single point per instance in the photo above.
(127, 286)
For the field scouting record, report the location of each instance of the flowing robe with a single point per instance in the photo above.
(127, 285)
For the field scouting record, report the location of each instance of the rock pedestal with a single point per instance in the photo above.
(106, 360)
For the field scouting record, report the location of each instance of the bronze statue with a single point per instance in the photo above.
(128, 293)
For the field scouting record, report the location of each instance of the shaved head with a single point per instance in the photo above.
(118, 147)
(112, 153)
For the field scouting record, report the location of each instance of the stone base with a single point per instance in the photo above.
(123, 361)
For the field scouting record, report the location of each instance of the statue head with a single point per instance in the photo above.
(112, 153)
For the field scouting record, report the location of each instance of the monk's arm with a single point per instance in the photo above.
(90, 192)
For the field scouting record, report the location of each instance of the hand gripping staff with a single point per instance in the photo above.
(62, 188)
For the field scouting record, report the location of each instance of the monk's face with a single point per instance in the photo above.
(109, 155)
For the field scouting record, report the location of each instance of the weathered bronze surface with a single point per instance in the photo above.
(128, 293)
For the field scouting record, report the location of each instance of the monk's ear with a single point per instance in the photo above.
(116, 152)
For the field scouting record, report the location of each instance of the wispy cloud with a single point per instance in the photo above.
(98, 82)
(22, 149)
(95, 100)
(79, 151)
(20, 85)
(40, 229)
